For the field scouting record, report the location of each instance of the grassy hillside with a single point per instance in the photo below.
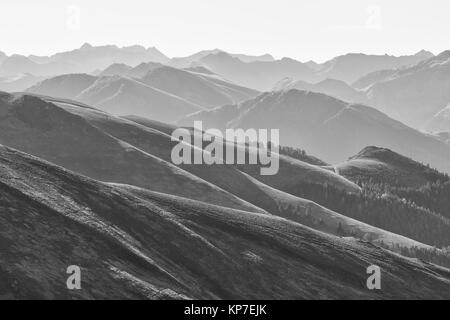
(156, 246)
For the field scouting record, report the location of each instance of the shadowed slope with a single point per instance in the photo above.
(157, 247)
(46, 130)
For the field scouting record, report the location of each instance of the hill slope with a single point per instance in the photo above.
(239, 186)
(51, 132)
(150, 90)
(204, 90)
(414, 95)
(160, 247)
(117, 95)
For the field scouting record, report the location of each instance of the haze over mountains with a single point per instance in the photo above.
(85, 59)
(414, 94)
(138, 152)
(86, 163)
(327, 127)
(257, 72)
(351, 67)
(440, 121)
(163, 93)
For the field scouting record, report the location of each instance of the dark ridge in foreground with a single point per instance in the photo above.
(133, 243)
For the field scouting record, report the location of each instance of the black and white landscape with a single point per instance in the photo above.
(93, 205)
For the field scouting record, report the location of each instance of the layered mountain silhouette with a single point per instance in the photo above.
(371, 78)
(85, 59)
(53, 133)
(259, 75)
(202, 89)
(162, 93)
(88, 179)
(257, 72)
(415, 94)
(331, 87)
(18, 64)
(326, 127)
(186, 62)
(137, 153)
(351, 67)
(19, 82)
(262, 75)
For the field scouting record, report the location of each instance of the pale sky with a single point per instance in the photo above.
(303, 30)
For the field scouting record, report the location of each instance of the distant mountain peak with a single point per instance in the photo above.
(424, 53)
(86, 46)
(222, 54)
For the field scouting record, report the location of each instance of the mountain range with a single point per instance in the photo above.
(134, 151)
(138, 244)
(85, 59)
(414, 94)
(163, 93)
(331, 87)
(327, 127)
(257, 72)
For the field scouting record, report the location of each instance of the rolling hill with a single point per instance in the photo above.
(297, 181)
(19, 82)
(116, 150)
(117, 95)
(204, 90)
(136, 151)
(160, 93)
(189, 61)
(49, 131)
(350, 67)
(85, 59)
(331, 87)
(144, 245)
(384, 165)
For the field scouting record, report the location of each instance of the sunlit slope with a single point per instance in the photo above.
(158, 246)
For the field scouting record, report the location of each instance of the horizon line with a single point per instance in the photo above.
(216, 49)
